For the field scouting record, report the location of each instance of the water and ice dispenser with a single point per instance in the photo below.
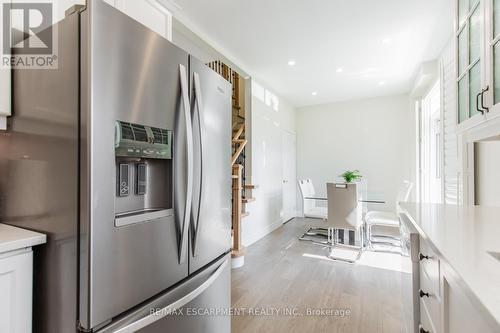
(143, 156)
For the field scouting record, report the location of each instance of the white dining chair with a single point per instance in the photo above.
(383, 227)
(317, 231)
(345, 221)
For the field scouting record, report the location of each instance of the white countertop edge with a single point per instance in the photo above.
(14, 238)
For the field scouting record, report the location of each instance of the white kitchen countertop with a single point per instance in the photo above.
(463, 236)
(13, 238)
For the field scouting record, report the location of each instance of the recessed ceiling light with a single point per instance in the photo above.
(381, 83)
(314, 93)
(291, 62)
(387, 40)
(339, 70)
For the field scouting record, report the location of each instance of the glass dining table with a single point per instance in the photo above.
(365, 197)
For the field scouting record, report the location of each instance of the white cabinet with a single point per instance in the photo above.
(459, 313)
(151, 13)
(477, 43)
(16, 272)
(445, 306)
(16, 277)
(429, 289)
(470, 68)
(5, 104)
(492, 56)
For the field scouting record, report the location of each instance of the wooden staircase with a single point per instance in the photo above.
(240, 189)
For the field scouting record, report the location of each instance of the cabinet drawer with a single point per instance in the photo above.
(430, 305)
(429, 264)
(425, 322)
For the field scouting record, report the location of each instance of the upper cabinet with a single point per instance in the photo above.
(477, 33)
(492, 54)
(151, 13)
(470, 57)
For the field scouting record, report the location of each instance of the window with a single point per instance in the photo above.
(430, 147)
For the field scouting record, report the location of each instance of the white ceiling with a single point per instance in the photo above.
(378, 44)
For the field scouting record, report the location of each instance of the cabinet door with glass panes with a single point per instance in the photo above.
(492, 56)
(471, 81)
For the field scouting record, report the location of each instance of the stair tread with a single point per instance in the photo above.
(245, 214)
(251, 186)
(246, 200)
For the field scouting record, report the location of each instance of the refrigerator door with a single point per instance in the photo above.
(39, 178)
(211, 212)
(133, 75)
(201, 304)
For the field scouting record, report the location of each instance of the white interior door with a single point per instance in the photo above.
(288, 176)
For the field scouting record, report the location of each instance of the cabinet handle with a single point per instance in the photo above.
(422, 257)
(487, 109)
(477, 102)
(423, 331)
(422, 294)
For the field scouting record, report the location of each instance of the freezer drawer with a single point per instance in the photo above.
(200, 304)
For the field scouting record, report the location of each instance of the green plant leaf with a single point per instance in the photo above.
(351, 175)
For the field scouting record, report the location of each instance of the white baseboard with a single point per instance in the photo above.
(258, 234)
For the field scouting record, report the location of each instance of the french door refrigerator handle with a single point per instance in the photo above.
(172, 307)
(189, 147)
(199, 112)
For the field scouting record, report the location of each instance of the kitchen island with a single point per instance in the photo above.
(459, 266)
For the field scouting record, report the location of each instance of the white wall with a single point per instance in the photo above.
(375, 136)
(190, 43)
(270, 115)
(487, 175)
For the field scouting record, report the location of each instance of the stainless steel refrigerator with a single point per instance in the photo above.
(122, 157)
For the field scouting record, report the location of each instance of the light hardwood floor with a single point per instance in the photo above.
(284, 273)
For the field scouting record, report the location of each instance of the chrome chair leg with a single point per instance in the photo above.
(313, 232)
(372, 241)
(359, 248)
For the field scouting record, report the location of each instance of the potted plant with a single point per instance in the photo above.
(351, 176)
